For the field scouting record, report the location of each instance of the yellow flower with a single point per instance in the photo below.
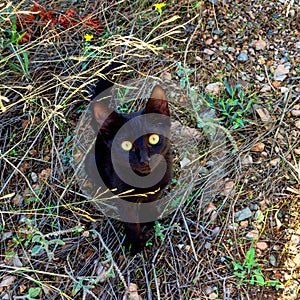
(88, 37)
(159, 6)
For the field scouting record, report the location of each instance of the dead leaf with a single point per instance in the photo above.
(131, 293)
(258, 147)
(281, 72)
(229, 188)
(264, 114)
(7, 281)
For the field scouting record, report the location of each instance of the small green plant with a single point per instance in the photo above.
(10, 39)
(33, 293)
(158, 230)
(250, 271)
(233, 106)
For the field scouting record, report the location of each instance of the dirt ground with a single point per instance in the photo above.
(234, 69)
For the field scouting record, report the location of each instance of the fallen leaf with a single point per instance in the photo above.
(281, 72)
(7, 281)
(229, 188)
(258, 147)
(131, 293)
(264, 114)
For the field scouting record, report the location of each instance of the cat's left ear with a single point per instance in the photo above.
(157, 102)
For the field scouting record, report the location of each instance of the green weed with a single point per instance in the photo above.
(232, 106)
(250, 271)
(10, 39)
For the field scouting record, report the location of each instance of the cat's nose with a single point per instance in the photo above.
(144, 162)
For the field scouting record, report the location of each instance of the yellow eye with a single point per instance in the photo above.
(126, 145)
(153, 139)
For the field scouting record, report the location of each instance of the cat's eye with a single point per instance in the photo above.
(153, 139)
(126, 145)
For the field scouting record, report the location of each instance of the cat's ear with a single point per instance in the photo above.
(108, 120)
(157, 102)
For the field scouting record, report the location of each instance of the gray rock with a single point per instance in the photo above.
(242, 214)
(242, 57)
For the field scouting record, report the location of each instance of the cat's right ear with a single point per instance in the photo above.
(109, 121)
(101, 111)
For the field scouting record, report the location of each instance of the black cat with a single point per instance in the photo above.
(131, 152)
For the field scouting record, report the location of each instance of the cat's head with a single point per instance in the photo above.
(138, 135)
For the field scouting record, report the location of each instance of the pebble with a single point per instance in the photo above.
(262, 245)
(297, 124)
(252, 235)
(295, 112)
(242, 214)
(214, 88)
(208, 51)
(274, 162)
(34, 177)
(248, 160)
(272, 260)
(265, 88)
(242, 57)
(260, 78)
(260, 45)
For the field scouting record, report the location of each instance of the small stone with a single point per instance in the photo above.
(242, 214)
(297, 124)
(258, 147)
(284, 89)
(248, 160)
(208, 51)
(244, 224)
(297, 45)
(297, 151)
(218, 32)
(215, 231)
(207, 245)
(252, 235)
(198, 58)
(264, 154)
(262, 245)
(296, 260)
(260, 45)
(242, 57)
(281, 72)
(34, 176)
(214, 88)
(213, 296)
(295, 112)
(209, 41)
(265, 88)
(184, 162)
(260, 78)
(296, 107)
(272, 260)
(274, 162)
(292, 13)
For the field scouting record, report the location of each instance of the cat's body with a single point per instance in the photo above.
(140, 139)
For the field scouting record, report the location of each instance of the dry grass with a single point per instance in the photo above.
(52, 238)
